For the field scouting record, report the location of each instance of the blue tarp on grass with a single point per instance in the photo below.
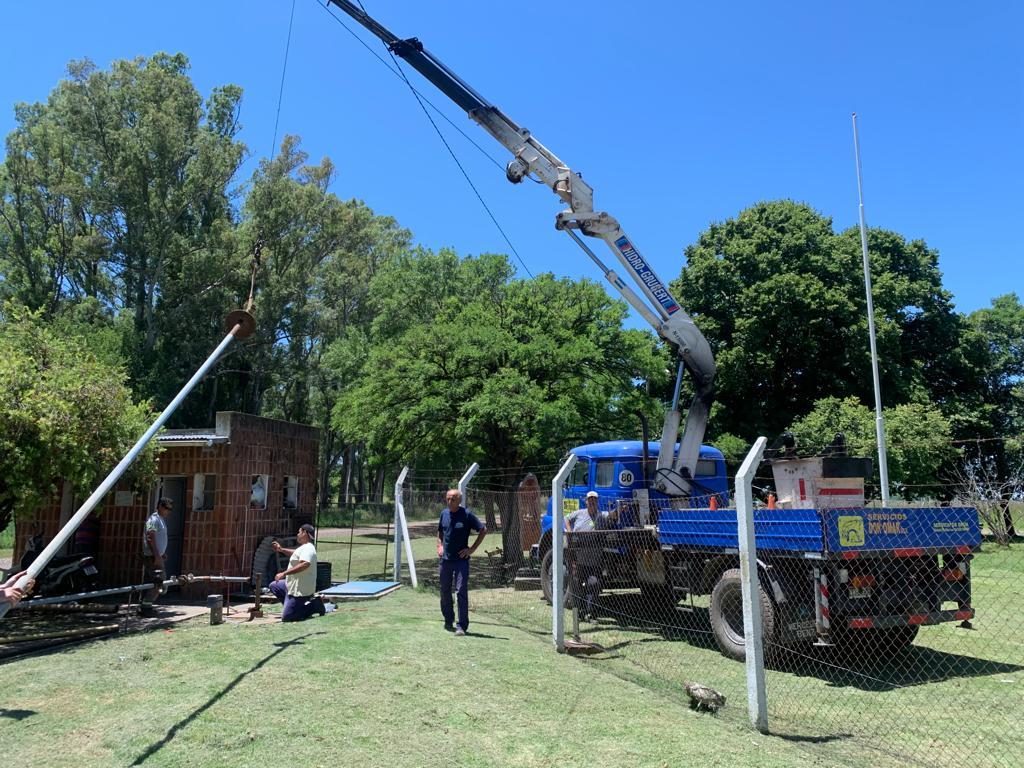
(359, 588)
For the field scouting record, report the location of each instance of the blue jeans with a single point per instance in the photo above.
(295, 608)
(455, 572)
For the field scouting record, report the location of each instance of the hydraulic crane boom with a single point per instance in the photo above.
(654, 302)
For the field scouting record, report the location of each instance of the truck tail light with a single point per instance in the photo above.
(862, 582)
(954, 571)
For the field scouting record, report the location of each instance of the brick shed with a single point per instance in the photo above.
(245, 479)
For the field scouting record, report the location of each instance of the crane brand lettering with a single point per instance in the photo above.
(647, 277)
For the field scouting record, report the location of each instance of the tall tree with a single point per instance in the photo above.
(781, 298)
(117, 189)
(466, 363)
(999, 331)
(918, 442)
(65, 415)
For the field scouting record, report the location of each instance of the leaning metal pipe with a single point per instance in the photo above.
(242, 325)
(173, 581)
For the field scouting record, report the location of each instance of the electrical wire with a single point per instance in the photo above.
(280, 90)
(420, 100)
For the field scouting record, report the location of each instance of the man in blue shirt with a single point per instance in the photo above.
(454, 550)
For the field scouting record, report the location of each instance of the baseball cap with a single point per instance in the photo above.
(591, 494)
(309, 529)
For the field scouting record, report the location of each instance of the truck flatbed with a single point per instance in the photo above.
(842, 533)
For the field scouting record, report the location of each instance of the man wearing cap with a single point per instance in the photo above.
(295, 586)
(454, 550)
(588, 552)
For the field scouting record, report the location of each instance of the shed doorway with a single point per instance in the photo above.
(174, 489)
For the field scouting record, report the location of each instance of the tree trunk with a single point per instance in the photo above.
(346, 484)
(511, 543)
(378, 484)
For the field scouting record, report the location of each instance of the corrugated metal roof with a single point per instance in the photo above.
(180, 436)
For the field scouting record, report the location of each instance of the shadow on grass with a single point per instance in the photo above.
(484, 636)
(916, 665)
(801, 739)
(17, 714)
(181, 724)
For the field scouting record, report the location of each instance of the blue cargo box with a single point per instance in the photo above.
(810, 530)
(901, 528)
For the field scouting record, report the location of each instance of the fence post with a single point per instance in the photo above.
(757, 703)
(399, 522)
(557, 566)
(465, 480)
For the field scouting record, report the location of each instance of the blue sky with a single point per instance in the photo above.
(677, 113)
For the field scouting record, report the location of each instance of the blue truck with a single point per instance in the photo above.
(825, 572)
(864, 577)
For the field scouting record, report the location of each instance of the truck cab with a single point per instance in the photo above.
(616, 471)
(625, 487)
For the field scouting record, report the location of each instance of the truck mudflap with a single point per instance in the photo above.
(900, 531)
(909, 620)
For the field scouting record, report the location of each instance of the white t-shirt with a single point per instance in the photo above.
(302, 584)
(156, 524)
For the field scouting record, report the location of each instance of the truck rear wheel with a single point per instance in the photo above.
(546, 564)
(726, 614)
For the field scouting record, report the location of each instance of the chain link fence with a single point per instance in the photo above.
(892, 635)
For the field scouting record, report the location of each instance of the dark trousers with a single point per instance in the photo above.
(152, 575)
(295, 608)
(587, 588)
(455, 573)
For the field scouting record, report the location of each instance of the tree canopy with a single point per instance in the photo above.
(65, 415)
(468, 363)
(125, 230)
(780, 296)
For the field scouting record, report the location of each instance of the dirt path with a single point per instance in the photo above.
(417, 530)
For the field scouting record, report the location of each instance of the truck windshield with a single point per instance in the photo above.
(580, 473)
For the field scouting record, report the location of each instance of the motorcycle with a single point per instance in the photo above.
(64, 574)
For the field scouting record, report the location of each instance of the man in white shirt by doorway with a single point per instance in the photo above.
(154, 547)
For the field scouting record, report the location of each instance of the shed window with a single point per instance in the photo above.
(290, 495)
(259, 491)
(204, 492)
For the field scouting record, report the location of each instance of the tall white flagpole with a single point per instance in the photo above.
(883, 466)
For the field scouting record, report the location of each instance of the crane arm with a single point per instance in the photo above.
(654, 301)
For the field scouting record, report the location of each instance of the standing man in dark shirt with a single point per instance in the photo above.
(453, 548)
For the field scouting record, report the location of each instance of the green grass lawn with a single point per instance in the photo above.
(956, 698)
(373, 684)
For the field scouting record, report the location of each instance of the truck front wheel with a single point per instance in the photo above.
(546, 565)
(726, 615)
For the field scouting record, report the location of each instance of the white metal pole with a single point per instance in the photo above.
(399, 516)
(408, 545)
(464, 482)
(557, 564)
(757, 701)
(241, 328)
(883, 465)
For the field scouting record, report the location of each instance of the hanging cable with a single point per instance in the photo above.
(420, 100)
(280, 90)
